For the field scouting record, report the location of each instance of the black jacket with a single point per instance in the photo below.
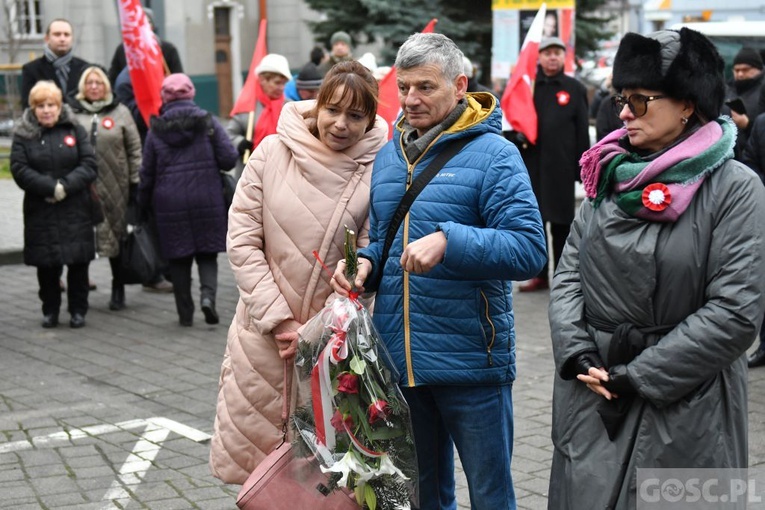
(58, 233)
(563, 135)
(41, 69)
(754, 151)
(607, 119)
(749, 92)
(169, 52)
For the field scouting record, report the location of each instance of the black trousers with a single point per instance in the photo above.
(116, 266)
(76, 288)
(180, 272)
(559, 233)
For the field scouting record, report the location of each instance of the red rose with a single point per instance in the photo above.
(338, 419)
(349, 383)
(378, 410)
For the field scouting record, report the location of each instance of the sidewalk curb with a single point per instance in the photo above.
(11, 257)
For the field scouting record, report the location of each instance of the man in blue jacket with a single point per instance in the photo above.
(444, 300)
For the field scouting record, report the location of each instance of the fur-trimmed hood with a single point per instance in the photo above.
(28, 128)
(682, 64)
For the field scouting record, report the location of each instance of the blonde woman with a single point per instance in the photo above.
(114, 135)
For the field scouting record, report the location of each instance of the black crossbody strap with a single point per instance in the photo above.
(417, 186)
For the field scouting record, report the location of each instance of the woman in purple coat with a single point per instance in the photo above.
(180, 182)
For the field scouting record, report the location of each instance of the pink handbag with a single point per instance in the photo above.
(283, 481)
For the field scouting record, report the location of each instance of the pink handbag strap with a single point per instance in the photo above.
(287, 385)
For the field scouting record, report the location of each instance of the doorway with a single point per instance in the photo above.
(222, 21)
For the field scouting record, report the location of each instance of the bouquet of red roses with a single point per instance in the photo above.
(357, 422)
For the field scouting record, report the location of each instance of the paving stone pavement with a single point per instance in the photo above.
(115, 415)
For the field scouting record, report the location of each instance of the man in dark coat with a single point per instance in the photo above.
(754, 157)
(57, 64)
(563, 135)
(170, 58)
(746, 86)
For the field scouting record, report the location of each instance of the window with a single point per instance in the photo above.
(26, 18)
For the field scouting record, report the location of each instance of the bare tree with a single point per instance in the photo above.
(10, 72)
(12, 41)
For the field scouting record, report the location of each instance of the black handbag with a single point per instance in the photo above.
(229, 188)
(139, 255)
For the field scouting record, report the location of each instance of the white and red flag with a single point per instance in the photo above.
(518, 99)
(144, 58)
(388, 106)
(251, 91)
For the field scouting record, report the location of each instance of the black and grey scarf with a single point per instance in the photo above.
(61, 65)
(414, 146)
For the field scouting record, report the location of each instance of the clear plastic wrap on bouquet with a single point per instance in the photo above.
(357, 422)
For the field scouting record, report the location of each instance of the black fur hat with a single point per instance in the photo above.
(682, 64)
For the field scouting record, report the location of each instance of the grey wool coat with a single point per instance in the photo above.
(118, 152)
(703, 277)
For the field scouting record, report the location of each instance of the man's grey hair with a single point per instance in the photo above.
(422, 49)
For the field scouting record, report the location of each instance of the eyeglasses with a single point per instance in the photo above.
(638, 103)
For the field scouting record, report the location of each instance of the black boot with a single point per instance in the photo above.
(50, 320)
(117, 301)
(208, 308)
(757, 358)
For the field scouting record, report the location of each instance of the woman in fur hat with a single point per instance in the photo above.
(661, 287)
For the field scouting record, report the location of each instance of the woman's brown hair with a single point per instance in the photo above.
(359, 86)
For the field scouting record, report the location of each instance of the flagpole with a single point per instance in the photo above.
(263, 8)
(248, 135)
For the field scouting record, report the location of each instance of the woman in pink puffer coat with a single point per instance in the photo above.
(298, 190)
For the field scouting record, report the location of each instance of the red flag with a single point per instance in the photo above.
(567, 34)
(144, 58)
(251, 90)
(518, 99)
(388, 106)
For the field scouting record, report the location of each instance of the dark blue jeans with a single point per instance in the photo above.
(478, 420)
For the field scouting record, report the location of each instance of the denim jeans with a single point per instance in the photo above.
(478, 420)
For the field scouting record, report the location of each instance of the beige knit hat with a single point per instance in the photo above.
(274, 63)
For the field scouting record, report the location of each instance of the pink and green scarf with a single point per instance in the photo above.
(659, 189)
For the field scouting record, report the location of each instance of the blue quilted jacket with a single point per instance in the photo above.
(454, 324)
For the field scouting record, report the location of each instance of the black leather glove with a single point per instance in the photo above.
(244, 146)
(618, 381)
(144, 214)
(585, 361)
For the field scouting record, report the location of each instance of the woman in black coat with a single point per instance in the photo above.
(54, 163)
